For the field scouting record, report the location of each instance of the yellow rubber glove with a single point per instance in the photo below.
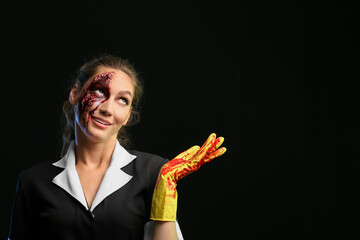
(164, 202)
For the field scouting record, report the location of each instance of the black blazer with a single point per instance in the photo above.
(43, 210)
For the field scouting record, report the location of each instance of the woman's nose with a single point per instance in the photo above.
(105, 108)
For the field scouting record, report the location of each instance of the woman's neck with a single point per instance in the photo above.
(93, 154)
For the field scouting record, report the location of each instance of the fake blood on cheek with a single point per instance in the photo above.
(97, 92)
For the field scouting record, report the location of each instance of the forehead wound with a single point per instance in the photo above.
(102, 78)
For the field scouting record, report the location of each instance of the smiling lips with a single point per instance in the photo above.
(101, 120)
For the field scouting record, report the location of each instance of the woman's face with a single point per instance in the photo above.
(104, 104)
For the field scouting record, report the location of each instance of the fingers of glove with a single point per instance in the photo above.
(217, 144)
(205, 147)
(188, 154)
(215, 154)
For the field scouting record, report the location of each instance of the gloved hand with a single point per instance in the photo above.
(164, 202)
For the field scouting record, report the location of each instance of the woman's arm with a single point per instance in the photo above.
(165, 231)
(164, 202)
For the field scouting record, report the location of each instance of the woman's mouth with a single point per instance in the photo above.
(100, 121)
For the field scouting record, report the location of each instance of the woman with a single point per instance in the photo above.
(98, 190)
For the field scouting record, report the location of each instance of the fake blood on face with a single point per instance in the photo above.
(97, 92)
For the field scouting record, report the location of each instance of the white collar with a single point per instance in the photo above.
(113, 180)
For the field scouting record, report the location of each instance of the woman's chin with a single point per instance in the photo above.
(95, 133)
(101, 134)
(98, 135)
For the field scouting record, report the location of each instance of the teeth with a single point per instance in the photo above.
(101, 122)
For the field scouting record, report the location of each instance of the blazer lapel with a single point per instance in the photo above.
(69, 179)
(113, 180)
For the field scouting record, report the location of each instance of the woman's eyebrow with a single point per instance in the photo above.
(124, 92)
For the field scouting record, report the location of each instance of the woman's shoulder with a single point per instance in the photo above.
(147, 156)
(146, 167)
(147, 160)
(44, 170)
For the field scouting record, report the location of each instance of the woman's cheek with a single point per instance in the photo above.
(83, 117)
(122, 115)
(90, 109)
(89, 101)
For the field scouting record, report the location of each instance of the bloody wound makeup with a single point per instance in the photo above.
(97, 92)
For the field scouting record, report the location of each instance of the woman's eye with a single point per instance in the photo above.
(124, 101)
(99, 93)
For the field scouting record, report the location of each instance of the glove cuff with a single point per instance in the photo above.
(164, 202)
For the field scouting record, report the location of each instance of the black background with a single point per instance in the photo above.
(277, 80)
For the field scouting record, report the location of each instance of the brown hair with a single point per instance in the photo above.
(85, 72)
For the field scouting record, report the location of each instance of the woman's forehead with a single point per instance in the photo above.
(103, 69)
(120, 81)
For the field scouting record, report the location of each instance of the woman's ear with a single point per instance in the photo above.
(73, 96)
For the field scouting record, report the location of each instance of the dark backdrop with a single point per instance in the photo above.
(277, 80)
